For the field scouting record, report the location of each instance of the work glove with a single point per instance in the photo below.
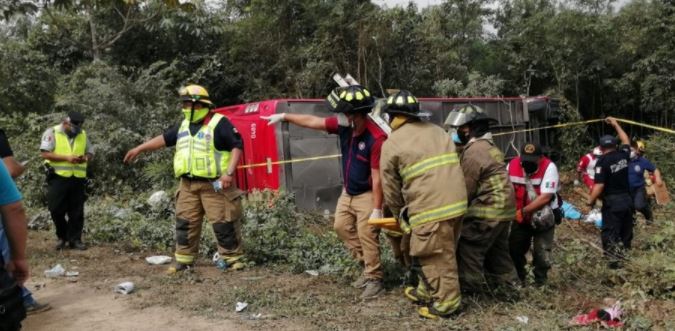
(376, 214)
(274, 118)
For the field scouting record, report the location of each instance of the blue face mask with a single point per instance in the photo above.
(455, 136)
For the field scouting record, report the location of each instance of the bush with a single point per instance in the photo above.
(660, 150)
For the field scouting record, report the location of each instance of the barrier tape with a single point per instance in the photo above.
(304, 159)
(556, 126)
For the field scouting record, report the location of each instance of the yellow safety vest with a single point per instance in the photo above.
(62, 147)
(196, 155)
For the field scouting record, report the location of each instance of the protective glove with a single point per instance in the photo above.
(274, 118)
(576, 182)
(376, 214)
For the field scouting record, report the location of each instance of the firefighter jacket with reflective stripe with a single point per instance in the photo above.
(517, 176)
(489, 191)
(196, 156)
(62, 146)
(420, 169)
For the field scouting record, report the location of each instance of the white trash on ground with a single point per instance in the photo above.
(158, 259)
(240, 306)
(312, 272)
(72, 273)
(56, 271)
(124, 288)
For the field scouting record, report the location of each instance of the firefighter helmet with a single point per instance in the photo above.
(195, 93)
(467, 114)
(350, 99)
(641, 146)
(403, 102)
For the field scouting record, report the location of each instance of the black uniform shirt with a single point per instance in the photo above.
(5, 150)
(612, 170)
(226, 135)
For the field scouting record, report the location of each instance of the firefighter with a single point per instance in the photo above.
(483, 252)
(535, 181)
(361, 199)
(612, 185)
(67, 150)
(586, 168)
(208, 148)
(636, 179)
(421, 176)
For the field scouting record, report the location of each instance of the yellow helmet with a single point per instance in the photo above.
(195, 93)
(641, 146)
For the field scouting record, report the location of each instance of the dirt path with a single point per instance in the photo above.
(77, 307)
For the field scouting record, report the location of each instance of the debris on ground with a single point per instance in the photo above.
(523, 319)
(124, 288)
(608, 317)
(56, 271)
(158, 259)
(240, 306)
(314, 273)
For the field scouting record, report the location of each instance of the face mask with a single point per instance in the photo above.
(463, 137)
(198, 115)
(74, 130)
(455, 138)
(633, 155)
(530, 167)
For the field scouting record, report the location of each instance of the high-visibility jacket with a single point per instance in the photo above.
(517, 176)
(62, 146)
(420, 169)
(490, 192)
(196, 156)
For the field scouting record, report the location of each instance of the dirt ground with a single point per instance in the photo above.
(277, 299)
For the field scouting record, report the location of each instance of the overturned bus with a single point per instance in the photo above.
(306, 162)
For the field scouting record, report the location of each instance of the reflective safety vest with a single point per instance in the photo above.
(517, 176)
(196, 156)
(62, 146)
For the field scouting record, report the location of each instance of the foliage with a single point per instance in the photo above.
(660, 150)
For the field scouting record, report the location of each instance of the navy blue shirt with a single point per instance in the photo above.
(360, 153)
(612, 170)
(636, 169)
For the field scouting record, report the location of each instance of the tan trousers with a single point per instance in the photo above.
(194, 200)
(362, 240)
(433, 246)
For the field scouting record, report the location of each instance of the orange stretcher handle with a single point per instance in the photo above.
(385, 223)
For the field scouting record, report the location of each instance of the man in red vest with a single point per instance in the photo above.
(586, 167)
(535, 181)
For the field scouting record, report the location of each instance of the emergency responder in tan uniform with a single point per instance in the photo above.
(483, 252)
(423, 184)
(360, 144)
(208, 148)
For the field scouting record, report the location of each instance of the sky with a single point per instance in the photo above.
(424, 3)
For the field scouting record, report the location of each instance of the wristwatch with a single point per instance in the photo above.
(230, 173)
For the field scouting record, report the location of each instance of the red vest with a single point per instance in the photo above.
(517, 176)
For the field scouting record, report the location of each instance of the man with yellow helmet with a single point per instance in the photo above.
(361, 199)
(208, 148)
(423, 184)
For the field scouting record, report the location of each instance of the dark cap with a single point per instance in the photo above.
(607, 141)
(75, 117)
(531, 152)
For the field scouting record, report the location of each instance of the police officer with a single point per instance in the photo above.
(67, 150)
(611, 185)
(208, 148)
(483, 252)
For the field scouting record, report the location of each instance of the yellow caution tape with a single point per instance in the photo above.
(265, 164)
(653, 127)
(556, 126)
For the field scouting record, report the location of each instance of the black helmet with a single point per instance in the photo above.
(350, 99)
(404, 103)
(467, 114)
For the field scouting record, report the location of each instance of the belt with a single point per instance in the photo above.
(197, 179)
